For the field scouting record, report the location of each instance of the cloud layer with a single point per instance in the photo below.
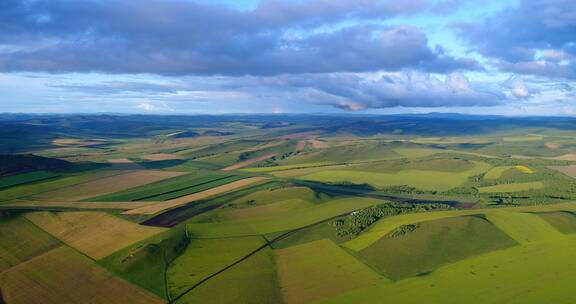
(179, 37)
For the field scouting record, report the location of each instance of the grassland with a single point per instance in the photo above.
(95, 234)
(421, 179)
(563, 221)
(503, 276)
(146, 262)
(203, 257)
(63, 275)
(512, 187)
(433, 244)
(317, 270)
(307, 216)
(252, 281)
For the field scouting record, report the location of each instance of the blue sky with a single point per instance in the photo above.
(288, 56)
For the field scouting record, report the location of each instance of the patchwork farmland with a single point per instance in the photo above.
(293, 214)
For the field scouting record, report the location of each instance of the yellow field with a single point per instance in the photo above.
(108, 185)
(161, 206)
(95, 234)
(63, 275)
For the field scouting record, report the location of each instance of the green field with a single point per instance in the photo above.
(433, 244)
(169, 189)
(421, 179)
(563, 221)
(252, 281)
(204, 257)
(25, 178)
(145, 263)
(21, 240)
(313, 271)
(513, 187)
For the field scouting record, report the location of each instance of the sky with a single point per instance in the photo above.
(288, 56)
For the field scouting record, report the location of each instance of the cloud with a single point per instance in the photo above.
(406, 89)
(178, 37)
(150, 106)
(536, 37)
(517, 88)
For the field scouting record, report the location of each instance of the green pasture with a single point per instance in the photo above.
(512, 187)
(421, 179)
(203, 257)
(433, 244)
(254, 280)
(313, 271)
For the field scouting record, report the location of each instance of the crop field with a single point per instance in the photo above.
(496, 172)
(95, 234)
(21, 241)
(63, 275)
(317, 270)
(25, 178)
(108, 185)
(161, 206)
(175, 187)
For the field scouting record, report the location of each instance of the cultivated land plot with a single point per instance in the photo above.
(567, 170)
(203, 257)
(254, 280)
(513, 187)
(307, 216)
(538, 272)
(433, 244)
(263, 211)
(63, 275)
(496, 172)
(169, 188)
(95, 234)
(108, 185)
(161, 156)
(317, 270)
(564, 221)
(421, 179)
(161, 206)
(30, 204)
(249, 162)
(20, 241)
(25, 178)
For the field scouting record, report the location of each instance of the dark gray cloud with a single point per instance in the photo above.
(176, 37)
(536, 37)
